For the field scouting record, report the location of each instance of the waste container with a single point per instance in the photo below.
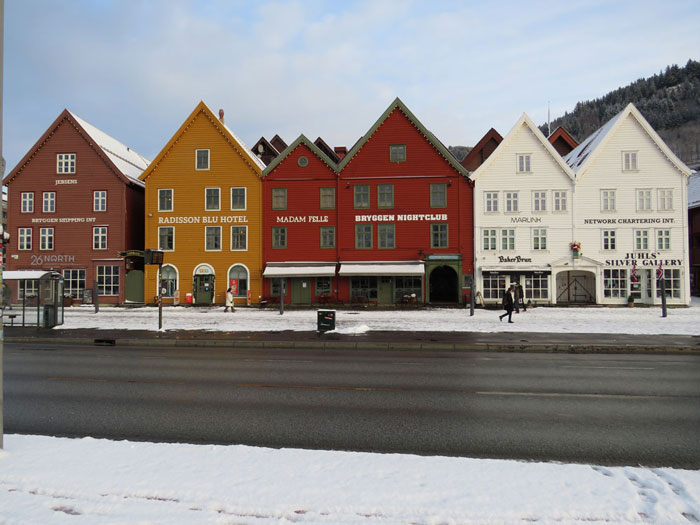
(326, 320)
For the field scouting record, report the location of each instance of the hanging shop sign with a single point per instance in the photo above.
(643, 259)
(402, 218)
(210, 219)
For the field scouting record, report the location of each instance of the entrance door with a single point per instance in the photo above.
(203, 289)
(444, 285)
(301, 290)
(384, 291)
(133, 286)
(576, 287)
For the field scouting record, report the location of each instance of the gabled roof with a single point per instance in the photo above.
(288, 150)
(126, 163)
(326, 149)
(398, 104)
(279, 144)
(490, 135)
(582, 157)
(264, 150)
(561, 135)
(694, 191)
(238, 145)
(524, 120)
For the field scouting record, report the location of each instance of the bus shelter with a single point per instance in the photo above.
(32, 298)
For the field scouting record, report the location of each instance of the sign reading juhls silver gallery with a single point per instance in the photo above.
(643, 259)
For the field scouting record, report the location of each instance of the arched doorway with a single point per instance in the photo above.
(238, 281)
(203, 284)
(575, 287)
(444, 285)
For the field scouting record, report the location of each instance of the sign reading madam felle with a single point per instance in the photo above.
(643, 259)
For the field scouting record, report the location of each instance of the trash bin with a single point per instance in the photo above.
(326, 320)
(48, 321)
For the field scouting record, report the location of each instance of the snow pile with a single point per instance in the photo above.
(56, 480)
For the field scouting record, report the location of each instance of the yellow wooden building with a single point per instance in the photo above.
(203, 210)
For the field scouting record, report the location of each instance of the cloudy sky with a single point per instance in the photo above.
(137, 68)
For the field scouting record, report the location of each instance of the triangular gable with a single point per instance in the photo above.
(313, 147)
(256, 165)
(264, 150)
(584, 155)
(694, 191)
(475, 153)
(279, 144)
(567, 261)
(524, 120)
(562, 139)
(325, 148)
(126, 163)
(398, 104)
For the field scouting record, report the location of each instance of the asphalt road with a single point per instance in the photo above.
(602, 409)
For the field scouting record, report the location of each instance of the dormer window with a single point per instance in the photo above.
(65, 163)
(629, 161)
(202, 159)
(523, 165)
(397, 153)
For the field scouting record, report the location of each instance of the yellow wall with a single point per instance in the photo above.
(229, 166)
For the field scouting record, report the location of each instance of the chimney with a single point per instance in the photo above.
(341, 151)
(221, 115)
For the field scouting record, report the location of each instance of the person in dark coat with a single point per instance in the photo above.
(519, 298)
(507, 305)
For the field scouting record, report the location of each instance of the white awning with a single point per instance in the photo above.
(14, 275)
(378, 268)
(297, 270)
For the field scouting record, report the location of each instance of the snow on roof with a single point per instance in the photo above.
(128, 161)
(576, 158)
(694, 191)
(243, 145)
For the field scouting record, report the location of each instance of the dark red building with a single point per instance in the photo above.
(391, 223)
(74, 203)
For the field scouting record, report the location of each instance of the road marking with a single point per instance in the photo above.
(96, 380)
(277, 361)
(324, 387)
(614, 367)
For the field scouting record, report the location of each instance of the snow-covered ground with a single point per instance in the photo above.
(46, 480)
(623, 320)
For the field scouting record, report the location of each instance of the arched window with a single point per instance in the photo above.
(168, 280)
(240, 273)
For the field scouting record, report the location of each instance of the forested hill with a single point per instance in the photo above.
(670, 101)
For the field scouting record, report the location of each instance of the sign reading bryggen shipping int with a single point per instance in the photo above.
(213, 219)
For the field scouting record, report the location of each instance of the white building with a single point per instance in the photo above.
(523, 214)
(593, 227)
(630, 209)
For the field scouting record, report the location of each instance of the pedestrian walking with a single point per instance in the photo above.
(521, 294)
(507, 304)
(229, 301)
(516, 297)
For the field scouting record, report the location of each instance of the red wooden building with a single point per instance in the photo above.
(74, 203)
(391, 223)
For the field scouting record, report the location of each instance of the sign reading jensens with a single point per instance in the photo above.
(213, 219)
(643, 259)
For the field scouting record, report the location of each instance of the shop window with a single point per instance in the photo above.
(239, 272)
(363, 236)
(609, 240)
(65, 163)
(27, 288)
(46, 239)
(165, 200)
(239, 238)
(49, 201)
(99, 238)
(397, 153)
(537, 287)
(279, 237)
(386, 235)
(327, 236)
(323, 286)
(279, 198)
(212, 238)
(672, 284)
(212, 199)
(238, 199)
(439, 235)
(385, 196)
(27, 202)
(408, 288)
(363, 289)
(99, 201)
(615, 283)
(438, 195)
(494, 286)
(202, 159)
(74, 283)
(108, 280)
(361, 196)
(327, 198)
(168, 280)
(24, 239)
(166, 238)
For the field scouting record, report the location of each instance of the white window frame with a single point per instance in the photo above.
(491, 202)
(609, 238)
(644, 199)
(608, 197)
(99, 234)
(539, 239)
(641, 240)
(160, 245)
(539, 201)
(508, 239)
(49, 202)
(46, 239)
(65, 163)
(665, 199)
(560, 201)
(218, 199)
(196, 159)
(489, 241)
(663, 239)
(523, 162)
(614, 283)
(113, 289)
(206, 238)
(245, 237)
(74, 282)
(245, 198)
(510, 199)
(27, 202)
(99, 200)
(172, 199)
(630, 161)
(24, 238)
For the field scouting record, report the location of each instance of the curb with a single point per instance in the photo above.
(369, 346)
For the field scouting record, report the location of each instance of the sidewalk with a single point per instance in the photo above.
(372, 340)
